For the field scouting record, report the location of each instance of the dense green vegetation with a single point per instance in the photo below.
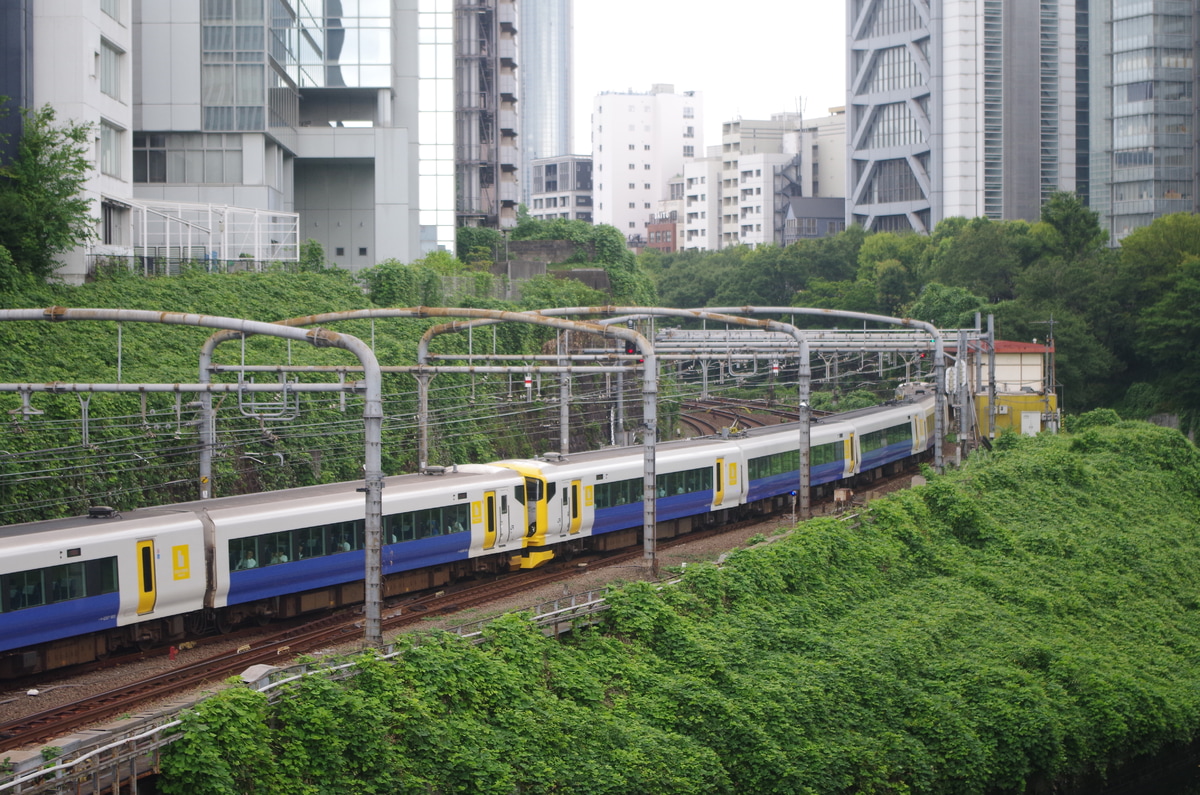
(1031, 618)
(139, 453)
(1124, 330)
(1123, 323)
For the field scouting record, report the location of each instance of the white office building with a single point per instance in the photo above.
(702, 202)
(639, 142)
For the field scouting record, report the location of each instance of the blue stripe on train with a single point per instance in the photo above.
(607, 520)
(893, 452)
(59, 620)
(784, 483)
(327, 570)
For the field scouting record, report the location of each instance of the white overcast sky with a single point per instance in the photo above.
(750, 58)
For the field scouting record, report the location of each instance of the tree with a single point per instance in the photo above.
(1076, 230)
(1168, 335)
(946, 307)
(312, 256)
(42, 210)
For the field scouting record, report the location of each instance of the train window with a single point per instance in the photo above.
(533, 487)
(278, 549)
(519, 494)
(66, 582)
(102, 576)
(58, 584)
(310, 543)
(459, 517)
(24, 589)
(243, 554)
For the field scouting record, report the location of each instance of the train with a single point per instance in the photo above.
(75, 590)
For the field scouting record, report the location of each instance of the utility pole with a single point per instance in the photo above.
(1051, 387)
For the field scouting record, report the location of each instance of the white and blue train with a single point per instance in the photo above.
(74, 590)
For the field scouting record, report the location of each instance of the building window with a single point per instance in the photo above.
(689, 151)
(110, 150)
(362, 251)
(187, 158)
(112, 8)
(110, 70)
(646, 167)
(646, 147)
(631, 166)
(632, 205)
(689, 132)
(689, 112)
(646, 206)
(647, 186)
(339, 251)
(113, 218)
(632, 185)
(631, 147)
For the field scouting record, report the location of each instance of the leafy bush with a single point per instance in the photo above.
(1029, 619)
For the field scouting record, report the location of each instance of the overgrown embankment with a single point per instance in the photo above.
(1028, 619)
(136, 450)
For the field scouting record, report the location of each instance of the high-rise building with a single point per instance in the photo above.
(961, 108)
(289, 105)
(546, 75)
(639, 142)
(486, 121)
(238, 128)
(1144, 136)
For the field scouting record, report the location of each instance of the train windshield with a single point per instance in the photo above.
(533, 489)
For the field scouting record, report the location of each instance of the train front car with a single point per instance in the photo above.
(72, 590)
(284, 553)
(595, 500)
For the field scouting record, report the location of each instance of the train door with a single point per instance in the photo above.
(489, 520)
(147, 583)
(719, 482)
(504, 522)
(576, 506)
(560, 513)
(920, 431)
(851, 454)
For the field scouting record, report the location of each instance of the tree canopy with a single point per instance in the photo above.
(43, 211)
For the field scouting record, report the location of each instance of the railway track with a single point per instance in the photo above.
(275, 649)
(336, 629)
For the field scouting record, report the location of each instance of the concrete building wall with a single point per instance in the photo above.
(641, 140)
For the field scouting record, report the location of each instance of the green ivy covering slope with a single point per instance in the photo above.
(1032, 618)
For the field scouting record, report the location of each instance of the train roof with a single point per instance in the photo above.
(464, 476)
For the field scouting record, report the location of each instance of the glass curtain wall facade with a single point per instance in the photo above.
(546, 76)
(435, 120)
(1143, 160)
